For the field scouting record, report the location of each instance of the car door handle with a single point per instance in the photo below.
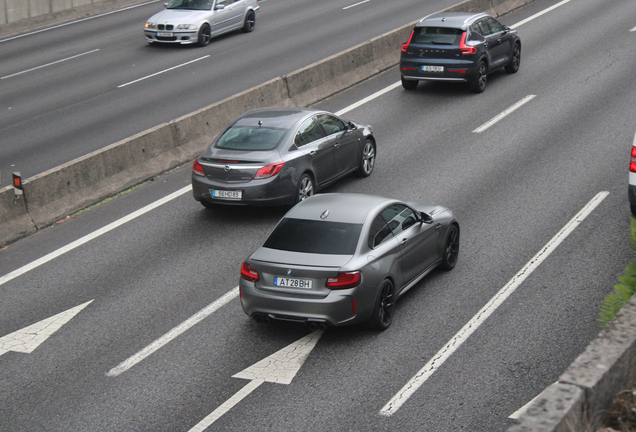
(404, 240)
(438, 226)
(312, 153)
(336, 145)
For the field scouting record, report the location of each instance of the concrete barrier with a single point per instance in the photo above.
(15, 222)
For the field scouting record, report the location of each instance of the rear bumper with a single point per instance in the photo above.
(460, 70)
(278, 190)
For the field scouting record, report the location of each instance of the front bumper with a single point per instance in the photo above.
(178, 37)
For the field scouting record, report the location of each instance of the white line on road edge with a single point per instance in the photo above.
(56, 253)
(355, 4)
(633, 30)
(174, 333)
(504, 114)
(49, 64)
(538, 14)
(163, 71)
(515, 415)
(368, 98)
(444, 354)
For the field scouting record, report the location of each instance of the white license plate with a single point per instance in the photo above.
(432, 68)
(227, 194)
(165, 34)
(292, 282)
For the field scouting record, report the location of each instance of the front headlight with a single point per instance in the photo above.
(150, 25)
(186, 27)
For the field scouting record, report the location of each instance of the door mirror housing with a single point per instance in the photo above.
(426, 218)
(351, 125)
(219, 7)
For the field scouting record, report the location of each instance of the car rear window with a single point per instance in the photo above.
(250, 138)
(317, 237)
(436, 35)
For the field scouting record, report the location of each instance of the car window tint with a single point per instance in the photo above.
(483, 28)
(250, 138)
(436, 35)
(379, 232)
(495, 26)
(190, 4)
(307, 133)
(330, 124)
(317, 237)
(475, 34)
(395, 216)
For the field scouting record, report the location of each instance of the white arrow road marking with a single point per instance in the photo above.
(29, 338)
(280, 367)
(515, 415)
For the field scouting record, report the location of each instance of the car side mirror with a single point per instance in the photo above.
(506, 29)
(219, 7)
(351, 125)
(426, 218)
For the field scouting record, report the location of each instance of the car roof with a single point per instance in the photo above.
(450, 19)
(342, 207)
(283, 118)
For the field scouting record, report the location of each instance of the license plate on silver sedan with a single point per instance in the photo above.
(165, 34)
(292, 283)
(433, 69)
(237, 194)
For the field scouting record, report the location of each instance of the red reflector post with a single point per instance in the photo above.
(17, 184)
(248, 274)
(344, 281)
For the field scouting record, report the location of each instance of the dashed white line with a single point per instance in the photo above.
(633, 30)
(444, 354)
(504, 114)
(355, 4)
(538, 14)
(49, 64)
(368, 98)
(163, 71)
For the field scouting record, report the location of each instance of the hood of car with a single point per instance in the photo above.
(176, 16)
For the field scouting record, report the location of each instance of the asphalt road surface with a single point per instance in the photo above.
(513, 186)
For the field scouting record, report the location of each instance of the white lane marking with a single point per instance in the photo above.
(76, 21)
(163, 71)
(368, 98)
(355, 4)
(29, 338)
(633, 30)
(280, 367)
(444, 354)
(538, 14)
(174, 333)
(69, 247)
(49, 64)
(504, 114)
(515, 415)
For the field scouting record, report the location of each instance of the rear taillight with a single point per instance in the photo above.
(632, 163)
(344, 281)
(248, 274)
(406, 45)
(268, 171)
(465, 49)
(197, 169)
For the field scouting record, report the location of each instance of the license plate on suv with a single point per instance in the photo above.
(292, 282)
(438, 69)
(227, 194)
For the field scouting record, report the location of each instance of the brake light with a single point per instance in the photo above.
(344, 281)
(632, 164)
(465, 49)
(197, 169)
(248, 274)
(406, 45)
(269, 171)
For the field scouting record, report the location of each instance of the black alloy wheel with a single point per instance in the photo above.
(250, 22)
(305, 188)
(479, 83)
(515, 60)
(409, 84)
(384, 307)
(204, 35)
(451, 248)
(367, 162)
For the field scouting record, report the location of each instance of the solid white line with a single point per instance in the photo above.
(537, 15)
(227, 405)
(442, 355)
(515, 415)
(76, 21)
(368, 98)
(163, 71)
(504, 114)
(69, 247)
(356, 4)
(174, 333)
(633, 30)
(49, 64)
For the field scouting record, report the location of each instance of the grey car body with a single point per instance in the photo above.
(197, 21)
(387, 244)
(279, 156)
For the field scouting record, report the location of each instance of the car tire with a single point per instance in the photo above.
(409, 84)
(367, 161)
(305, 188)
(204, 35)
(384, 307)
(632, 207)
(515, 60)
(451, 248)
(478, 85)
(250, 22)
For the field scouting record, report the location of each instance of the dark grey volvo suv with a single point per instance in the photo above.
(459, 46)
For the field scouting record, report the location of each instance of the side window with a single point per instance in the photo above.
(399, 218)
(379, 232)
(495, 26)
(330, 124)
(475, 33)
(482, 27)
(307, 133)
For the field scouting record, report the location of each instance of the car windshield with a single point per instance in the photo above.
(317, 237)
(250, 138)
(437, 35)
(190, 4)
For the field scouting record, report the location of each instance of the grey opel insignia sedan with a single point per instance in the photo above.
(280, 156)
(341, 259)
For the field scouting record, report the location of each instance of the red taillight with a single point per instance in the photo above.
(344, 281)
(632, 164)
(197, 169)
(406, 45)
(248, 274)
(465, 49)
(269, 170)
(408, 68)
(457, 70)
